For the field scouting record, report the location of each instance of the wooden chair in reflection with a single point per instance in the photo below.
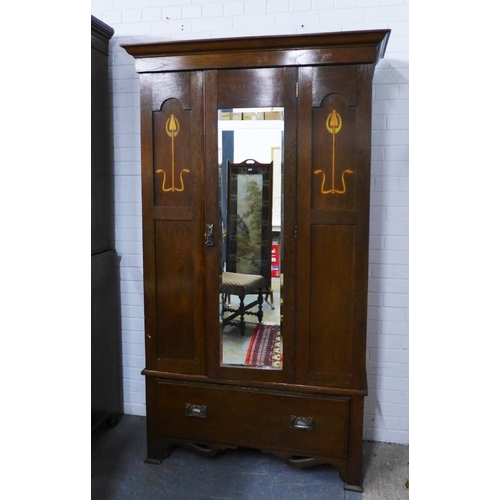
(249, 238)
(241, 285)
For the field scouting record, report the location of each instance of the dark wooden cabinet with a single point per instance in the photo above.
(310, 410)
(106, 390)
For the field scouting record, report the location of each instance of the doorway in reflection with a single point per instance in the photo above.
(251, 205)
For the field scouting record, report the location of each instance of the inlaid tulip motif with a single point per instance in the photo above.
(333, 125)
(172, 129)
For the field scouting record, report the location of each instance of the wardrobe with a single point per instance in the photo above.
(205, 104)
(106, 389)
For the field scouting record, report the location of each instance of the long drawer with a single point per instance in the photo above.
(302, 425)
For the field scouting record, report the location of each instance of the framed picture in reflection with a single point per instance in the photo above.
(249, 211)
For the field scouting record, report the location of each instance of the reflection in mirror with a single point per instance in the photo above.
(251, 207)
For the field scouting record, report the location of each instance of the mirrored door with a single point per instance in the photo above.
(250, 144)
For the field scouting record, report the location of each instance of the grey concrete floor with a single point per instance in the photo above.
(119, 472)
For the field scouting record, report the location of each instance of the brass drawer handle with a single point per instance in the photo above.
(302, 423)
(199, 411)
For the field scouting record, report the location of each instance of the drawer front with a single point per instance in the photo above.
(259, 419)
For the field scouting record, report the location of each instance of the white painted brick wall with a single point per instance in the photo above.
(386, 408)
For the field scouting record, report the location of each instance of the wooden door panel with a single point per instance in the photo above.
(173, 218)
(332, 225)
(331, 299)
(177, 291)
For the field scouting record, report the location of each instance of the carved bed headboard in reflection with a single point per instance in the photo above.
(249, 212)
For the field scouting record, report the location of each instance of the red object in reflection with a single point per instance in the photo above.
(275, 260)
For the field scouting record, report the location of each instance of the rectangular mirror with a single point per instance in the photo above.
(250, 172)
